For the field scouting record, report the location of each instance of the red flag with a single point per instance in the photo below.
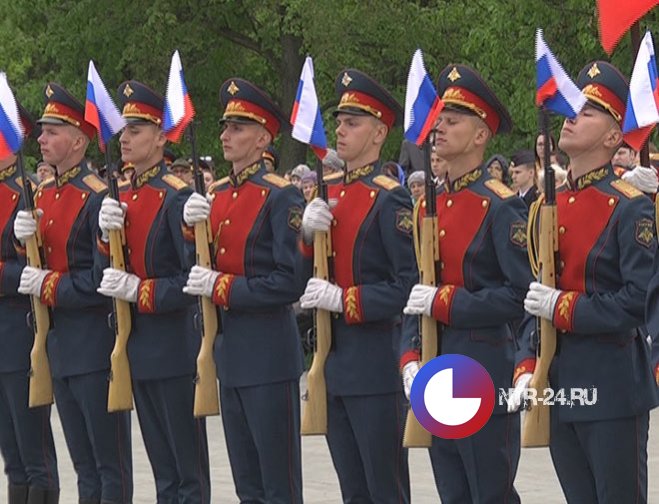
(617, 16)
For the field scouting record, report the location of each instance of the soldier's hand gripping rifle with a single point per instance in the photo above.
(206, 397)
(314, 418)
(41, 383)
(415, 435)
(535, 431)
(120, 392)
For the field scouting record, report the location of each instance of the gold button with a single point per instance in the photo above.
(562, 264)
(13, 196)
(129, 250)
(334, 222)
(570, 199)
(484, 203)
(39, 194)
(50, 250)
(372, 194)
(342, 194)
(227, 222)
(449, 203)
(56, 196)
(334, 253)
(223, 250)
(441, 265)
(262, 192)
(134, 197)
(442, 233)
(423, 204)
(612, 202)
(84, 195)
(561, 229)
(235, 194)
(161, 194)
(50, 222)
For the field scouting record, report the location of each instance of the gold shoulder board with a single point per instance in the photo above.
(499, 188)
(174, 181)
(94, 183)
(625, 188)
(387, 182)
(218, 183)
(333, 176)
(275, 179)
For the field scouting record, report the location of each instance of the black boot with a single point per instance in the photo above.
(43, 496)
(17, 494)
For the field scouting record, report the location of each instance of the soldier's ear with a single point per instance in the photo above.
(381, 132)
(613, 139)
(161, 139)
(264, 139)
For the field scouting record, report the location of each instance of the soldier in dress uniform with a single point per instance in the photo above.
(163, 344)
(481, 281)
(606, 248)
(26, 439)
(79, 340)
(255, 217)
(373, 271)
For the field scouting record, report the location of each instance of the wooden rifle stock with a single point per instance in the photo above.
(536, 427)
(415, 436)
(314, 416)
(120, 390)
(206, 393)
(41, 382)
(206, 397)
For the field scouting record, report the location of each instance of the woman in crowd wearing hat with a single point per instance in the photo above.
(417, 184)
(163, 345)
(373, 270)
(79, 341)
(497, 167)
(255, 217)
(481, 283)
(606, 249)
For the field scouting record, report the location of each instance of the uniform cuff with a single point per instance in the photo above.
(49, 288)
(352, 305)
(102, 247)
(222, 289)
(441, 305)
(305, 250)
(564, 310)
(146, 296)
(188, 232)
(526, 366)
(409, 356)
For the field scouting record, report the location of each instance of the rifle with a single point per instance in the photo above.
(207, 396)
(314, 418)
(415, 435)
(120, 391)
(535, 431)
(41, 383)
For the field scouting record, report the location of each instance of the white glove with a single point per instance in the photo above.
(541, 300)
(201, 281)
(111, 217)
(25, 225)
(420, 300)
(322, 294)
(119, 284)
(32, 280)
(409, 373)
(643, 178)
(515, 400)
(196, 209)
(316, 217)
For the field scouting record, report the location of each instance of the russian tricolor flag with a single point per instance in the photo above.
(178, 111)
(642, 111)
(11, 128)
(306, 118)
(555, 90)
(100, 109)
(422, 104)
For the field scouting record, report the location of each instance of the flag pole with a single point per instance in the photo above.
(635, 34)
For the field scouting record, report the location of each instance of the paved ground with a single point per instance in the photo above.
(536, 479)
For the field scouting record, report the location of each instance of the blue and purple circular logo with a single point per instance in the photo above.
(452, 396)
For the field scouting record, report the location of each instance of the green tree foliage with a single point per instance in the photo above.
(266, 41)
